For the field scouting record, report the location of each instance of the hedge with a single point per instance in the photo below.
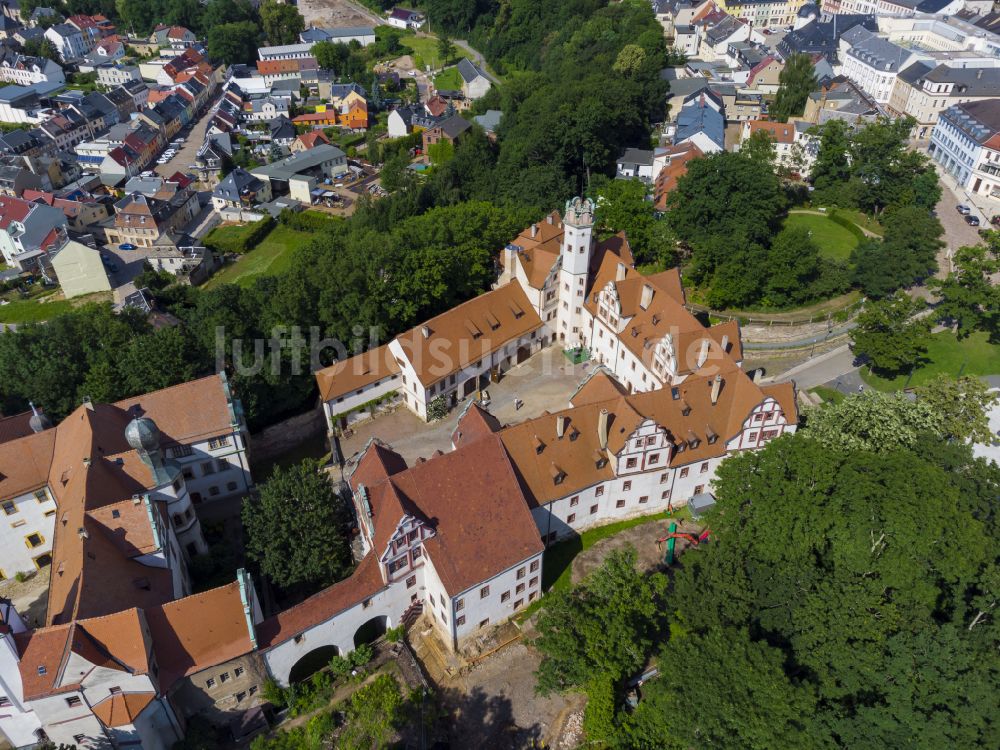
(847, 224)
(238, 240)
(308, 221)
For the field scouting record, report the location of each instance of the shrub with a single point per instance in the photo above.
(274, 694)
(437, 409)
(395, 635)
(361, 655)
(339, 666)
(238, 240)
(307, 221)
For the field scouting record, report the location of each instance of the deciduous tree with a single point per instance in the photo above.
(889, 333)
(961, 406)
(282, 22)
(796, 81)
(298, 528)
(603, 627)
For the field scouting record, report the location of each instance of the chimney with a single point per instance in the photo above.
(602, 429)
(979, 74)
(561, 426)
(88, 403)
(534, 231)
(426, 331)
(716, 387)
(86, 461)
(647, 296)
(549, 218)
(703, 354)
(725, 343)
(620, 273)
(82, 533)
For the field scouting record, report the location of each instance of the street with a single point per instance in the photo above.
(956, 232)
(194, 137)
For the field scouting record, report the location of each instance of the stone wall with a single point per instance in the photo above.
(285, 435)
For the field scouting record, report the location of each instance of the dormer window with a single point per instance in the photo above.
(558, 475)
(675, 393)
(685, 408)
(539, 445)
(600, 460)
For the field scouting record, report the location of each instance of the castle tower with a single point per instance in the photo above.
(578, 239)
(143, 436)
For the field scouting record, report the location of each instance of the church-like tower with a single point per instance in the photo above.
(578, 239)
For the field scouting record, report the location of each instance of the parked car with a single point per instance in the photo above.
(147, 173)
(972, 221)
(126, 246)
(963, 209)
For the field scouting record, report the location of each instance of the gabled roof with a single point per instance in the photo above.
(198, 631)
(470, 71)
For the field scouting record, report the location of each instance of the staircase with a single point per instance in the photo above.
(412, 614)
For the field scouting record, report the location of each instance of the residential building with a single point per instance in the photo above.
(841, 98)
(966, 143)
(789, 151)
(26, 71)
(116, 75)
(239, 190)
(765, 76)
(475, 81)
(309, 140)
(818, 37)
(674, 160)
(873, 63)
(449, 129)
(69, 42)
(78, 269)
(635, 163)
(403, 18)
(702, 123)
(28, 230)
(140, 220)
(924, 90)
(763, 14)
(172, 36)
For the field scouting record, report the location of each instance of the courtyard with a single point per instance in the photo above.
(544, 382)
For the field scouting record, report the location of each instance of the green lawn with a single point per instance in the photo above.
(424, 47)
(448, 79)
(33, 311)
(834, 241)
(829, 395)
(946, 355)
(42, 305)
(859, 218)
(272, 256)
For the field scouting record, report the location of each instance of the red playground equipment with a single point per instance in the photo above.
(672, 537)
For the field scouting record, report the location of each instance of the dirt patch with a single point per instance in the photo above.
(643, 538)
(336, 14)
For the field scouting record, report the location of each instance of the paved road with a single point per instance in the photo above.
(827, 367)
(474, 55)
(194, 137)
(956, 232)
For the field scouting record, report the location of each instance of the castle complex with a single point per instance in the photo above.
(125, 654)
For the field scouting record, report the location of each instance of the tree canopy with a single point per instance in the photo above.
(282, 22)
(297, 531)
(889, 335)
(796, 81)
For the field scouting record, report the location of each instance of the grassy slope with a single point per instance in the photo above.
(834, 241)
(271, 256)
(449, 80)
(946, 354)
